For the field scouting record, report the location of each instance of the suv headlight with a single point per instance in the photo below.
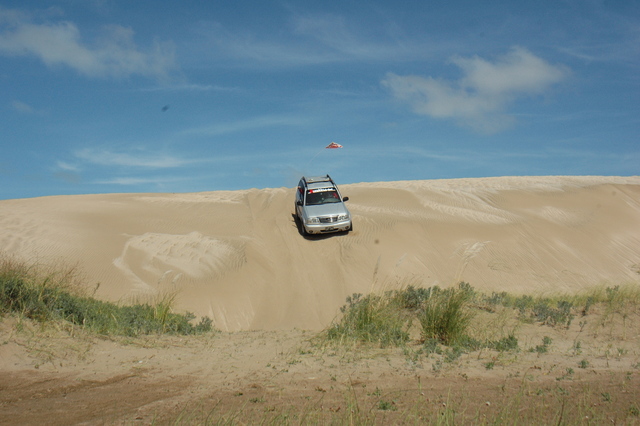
(313, 220)
(343, 217)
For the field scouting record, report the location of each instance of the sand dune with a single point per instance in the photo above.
(239, 258)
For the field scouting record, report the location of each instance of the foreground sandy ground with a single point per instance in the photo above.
(590, 374)
(239, 258)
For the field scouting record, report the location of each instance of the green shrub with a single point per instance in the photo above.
(544, 348)
(386, 405)
(446, 316)
(523, 303)
(51, 297)
(373, 319)
(414, 298)
(501, 298)
(540, 309)
(453, 353)
(430, 346)
(509, 343)
(546, 314)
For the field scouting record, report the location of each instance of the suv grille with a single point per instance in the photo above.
(329, 219)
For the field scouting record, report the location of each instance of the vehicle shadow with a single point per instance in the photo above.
(314, 237)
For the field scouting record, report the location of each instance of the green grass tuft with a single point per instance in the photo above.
(371, 319)
(445, 315)
(56, 296)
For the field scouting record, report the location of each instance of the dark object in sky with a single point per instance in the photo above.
(164, 108)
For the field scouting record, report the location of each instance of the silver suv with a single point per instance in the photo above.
(320, 207)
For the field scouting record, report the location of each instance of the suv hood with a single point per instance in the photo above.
(326, 210)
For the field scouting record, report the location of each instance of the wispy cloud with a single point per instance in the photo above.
(68, 177)
(140, 159)
(248, 124)
(190, 88)
(67, 167)
(313, 39)
(129, 181)
(22, 107)
(481, 97)
(337, 35)
(607, 34)
(61, 43)
(252, 48)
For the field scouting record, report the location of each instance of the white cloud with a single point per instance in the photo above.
(60, 43)
(109, 158)
(62, 165)
(481, 97)
(268, 50)
(248, 124)
(22, 107)
(126, 181)
(312, 39)
(333, 33)
(191, 88)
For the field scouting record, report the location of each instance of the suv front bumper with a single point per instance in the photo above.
(325, 228)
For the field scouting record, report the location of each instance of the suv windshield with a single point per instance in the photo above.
(322, 196)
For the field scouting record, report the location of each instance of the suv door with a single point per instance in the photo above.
(299, 199)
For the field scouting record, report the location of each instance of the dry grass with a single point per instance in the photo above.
(546, 359)
(50, 295)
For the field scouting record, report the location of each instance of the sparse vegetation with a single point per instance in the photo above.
(41, 295)
(437, 331)
(544, 347)
(445, 315)
(564, 402)
(386, 405)
(509, 343)
(372, 319)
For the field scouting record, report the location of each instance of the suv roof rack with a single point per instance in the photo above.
(314, 179)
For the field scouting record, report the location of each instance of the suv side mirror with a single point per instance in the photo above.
(345, 198)
(298, 203)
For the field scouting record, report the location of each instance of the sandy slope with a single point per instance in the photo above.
(238, 257)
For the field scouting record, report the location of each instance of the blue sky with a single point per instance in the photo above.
(102, 96)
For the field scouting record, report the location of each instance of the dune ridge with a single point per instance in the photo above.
(239, 258)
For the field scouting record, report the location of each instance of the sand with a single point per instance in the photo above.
(239, 258)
